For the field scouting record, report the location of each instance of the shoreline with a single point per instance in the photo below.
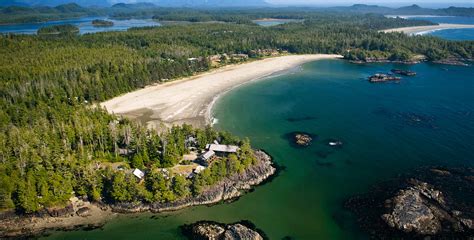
(71, 217)
(189, 100)
(421, 30)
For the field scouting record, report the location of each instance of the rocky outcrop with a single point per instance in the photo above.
(452, 61)
(78, 214)
(417, 209)
(217, 231)
(227, 189)
(68, 210)
(438, 203)
(303, 139)
(83, 212)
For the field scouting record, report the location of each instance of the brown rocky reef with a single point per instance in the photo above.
(429, 202)
(207, 230)
(300, 139)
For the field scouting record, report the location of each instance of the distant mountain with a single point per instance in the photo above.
(408, 10)
(70, 8)
(133, 5)
(414, 10)
(210, 3)
(164, 3)
(60, 9)
(52, 3)
(7, 3)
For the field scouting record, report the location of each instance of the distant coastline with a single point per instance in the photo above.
(420, 30)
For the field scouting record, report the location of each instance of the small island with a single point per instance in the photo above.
(102, 23)
(65, 29)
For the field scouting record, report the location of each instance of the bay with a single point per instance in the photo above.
(387, 129)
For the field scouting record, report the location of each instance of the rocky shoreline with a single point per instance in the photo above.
(449, 61)
(430, 202)
(81, 214)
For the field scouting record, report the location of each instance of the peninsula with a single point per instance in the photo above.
(190, 100)
(416, 30)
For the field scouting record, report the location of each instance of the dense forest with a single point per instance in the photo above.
(55, 140)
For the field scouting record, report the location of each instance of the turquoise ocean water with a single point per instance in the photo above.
(387, 129)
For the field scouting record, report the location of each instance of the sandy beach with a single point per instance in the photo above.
(425, 29)
(190, 100)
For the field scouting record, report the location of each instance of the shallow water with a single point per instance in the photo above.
(84, 24)
(387, 129)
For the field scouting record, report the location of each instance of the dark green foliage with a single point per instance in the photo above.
(66, 29)
(102, 23)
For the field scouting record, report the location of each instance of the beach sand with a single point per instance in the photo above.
(424, 29)
(190, 100)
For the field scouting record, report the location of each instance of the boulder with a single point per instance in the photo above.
(429, 202)
(239, 231)
(83, 212)
(218, 231)
(60, 211)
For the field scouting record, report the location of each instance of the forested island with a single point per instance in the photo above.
(102, 23)
(57, 143)
(66, 29)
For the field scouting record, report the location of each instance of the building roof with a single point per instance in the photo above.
(199, 169)
(208, 155)
(138, 173)
(223, 148)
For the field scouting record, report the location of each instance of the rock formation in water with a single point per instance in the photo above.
(303, 139)
(409, 207)
(217, 231)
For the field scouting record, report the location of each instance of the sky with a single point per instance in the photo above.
(424, 3)
(388, 3)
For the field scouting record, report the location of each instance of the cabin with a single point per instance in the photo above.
(222, 150)
(190, 143)
(206, 157)
(124, 151)
(138, 173)
(199, 169)
(196, 171)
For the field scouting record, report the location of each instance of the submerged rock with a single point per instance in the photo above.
(218, 231)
